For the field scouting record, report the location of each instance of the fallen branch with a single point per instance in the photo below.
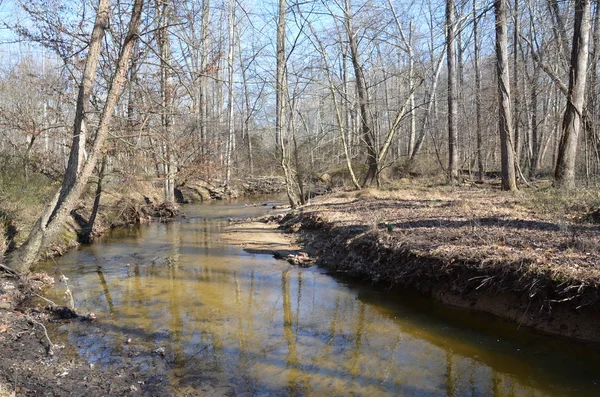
(9, 270)
(49, 350)
(46, 299)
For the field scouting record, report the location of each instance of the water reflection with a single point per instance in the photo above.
(260, 327)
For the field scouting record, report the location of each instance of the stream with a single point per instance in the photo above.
(201, 312)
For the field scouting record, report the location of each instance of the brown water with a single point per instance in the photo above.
(257, 326)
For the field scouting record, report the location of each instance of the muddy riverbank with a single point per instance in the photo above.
(481, 250)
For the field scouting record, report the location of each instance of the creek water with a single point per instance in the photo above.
(207, 313)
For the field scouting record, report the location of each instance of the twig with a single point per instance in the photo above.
(46, 299)
(523, 316)
(68, 293)
(49, 350)
(9, 270)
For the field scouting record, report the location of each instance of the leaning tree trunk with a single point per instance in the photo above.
(49, 225)
(342, 123)
(88, 230)
(509, 181)
(564, 173)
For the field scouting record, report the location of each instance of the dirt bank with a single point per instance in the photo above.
(35, 363)
(479, 249)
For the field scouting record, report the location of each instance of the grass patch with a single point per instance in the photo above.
(23, 199)
(562, 203)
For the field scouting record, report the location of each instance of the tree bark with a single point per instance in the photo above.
(452, 109)
(88, 231)
(203, 81)
(49, 225)
(564, 173)
(77, 153)
(363, 98)
(230, 107)
(166, 94)
(516, 96)
(509, 181)
(478, 98)
(280, 104)
(535, 131)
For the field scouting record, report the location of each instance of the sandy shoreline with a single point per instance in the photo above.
(261, 238)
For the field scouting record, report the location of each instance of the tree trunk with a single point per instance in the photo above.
(509, 181)
(247, 115)
(361, 90)
(203, 81)
(591, 118)
(280, 101)
(166, 94)
(452, 110)
(49, 225)
(564, 173)
(535, 131)
(413, 110)
(478, 98)
(230, 107)
(89, 228)
(516, 96)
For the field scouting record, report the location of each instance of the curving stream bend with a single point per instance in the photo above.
(209, 313)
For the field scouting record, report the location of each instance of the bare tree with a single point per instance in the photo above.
(509, 181)
(163, 10)
(342, 123)
(479, 125)
(230, 146)
(280, 104)
(565, 166)
(452, 101)
(363, 99)
(76, 176)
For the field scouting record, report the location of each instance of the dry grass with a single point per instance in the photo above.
(561, 203)
(23, 200)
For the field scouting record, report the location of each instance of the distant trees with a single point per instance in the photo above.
(394, 87)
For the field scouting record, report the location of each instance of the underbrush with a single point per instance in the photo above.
(559, 203)
(21, 202)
